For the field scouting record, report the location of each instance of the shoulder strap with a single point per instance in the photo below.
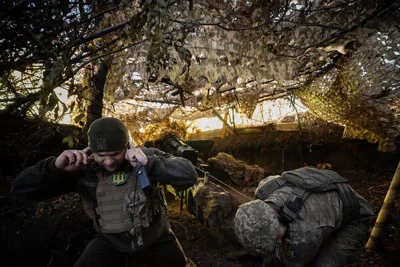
(351, 205)
(269, 187)
(290, 211)
(293, 205)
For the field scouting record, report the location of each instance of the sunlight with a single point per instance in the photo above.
(205, 124)
(62, 95)
(265, 112)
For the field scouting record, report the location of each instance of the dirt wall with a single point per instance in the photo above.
(278, 151)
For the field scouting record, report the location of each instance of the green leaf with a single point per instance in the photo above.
(78, 118)
(69, 140)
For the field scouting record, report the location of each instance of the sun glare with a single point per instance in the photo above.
(205, 124)
(265, 112)
(62, 95)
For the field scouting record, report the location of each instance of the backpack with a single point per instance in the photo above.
(308, 180)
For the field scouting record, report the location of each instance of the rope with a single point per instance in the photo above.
(240, 193)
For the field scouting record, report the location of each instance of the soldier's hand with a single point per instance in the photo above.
(135, 155)
(73, 160)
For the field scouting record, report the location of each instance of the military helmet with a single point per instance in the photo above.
(256, 227)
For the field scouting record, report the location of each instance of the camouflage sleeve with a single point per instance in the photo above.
(343, 247)
(302, 252)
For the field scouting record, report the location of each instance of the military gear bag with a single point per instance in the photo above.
(308, 180)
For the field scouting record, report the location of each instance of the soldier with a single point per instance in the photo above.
(288, 228)
(123, 186)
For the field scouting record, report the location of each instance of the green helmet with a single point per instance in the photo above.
(256, 227)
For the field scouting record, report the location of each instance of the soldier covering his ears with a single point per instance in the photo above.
(123, 186)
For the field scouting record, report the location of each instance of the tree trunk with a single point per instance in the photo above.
(385, 212)
(95, 108)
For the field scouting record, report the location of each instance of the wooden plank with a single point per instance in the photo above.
(287, 127)
(219, 133)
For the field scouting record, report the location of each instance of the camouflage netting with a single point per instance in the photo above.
(351, 80)
(162, 60)
(362, 92)
(238, 171)
(310, 123)
(154, 132)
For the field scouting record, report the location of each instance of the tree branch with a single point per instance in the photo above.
(327, 8)
(107, 54)
(172, 102)
(19, 102)
(97, 15)
(77, 59)
(100, 33)
(313, 25)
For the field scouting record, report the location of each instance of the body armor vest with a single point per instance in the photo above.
(122, 205)
(110, 209)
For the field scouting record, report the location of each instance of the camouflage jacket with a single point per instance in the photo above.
(319, 218)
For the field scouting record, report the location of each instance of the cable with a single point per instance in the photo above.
(240, 193)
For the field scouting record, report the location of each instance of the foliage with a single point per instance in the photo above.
(51, 41)
(71, 141)
(142, 132)
(198, 54)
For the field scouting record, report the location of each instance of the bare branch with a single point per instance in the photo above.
(77, 59)
(107, 54)
(305, 24)
(329, 7)
(100, 33)
(97, 15)
(172, 102)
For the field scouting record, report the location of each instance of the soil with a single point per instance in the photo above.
(200, 247)
(55, 232)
